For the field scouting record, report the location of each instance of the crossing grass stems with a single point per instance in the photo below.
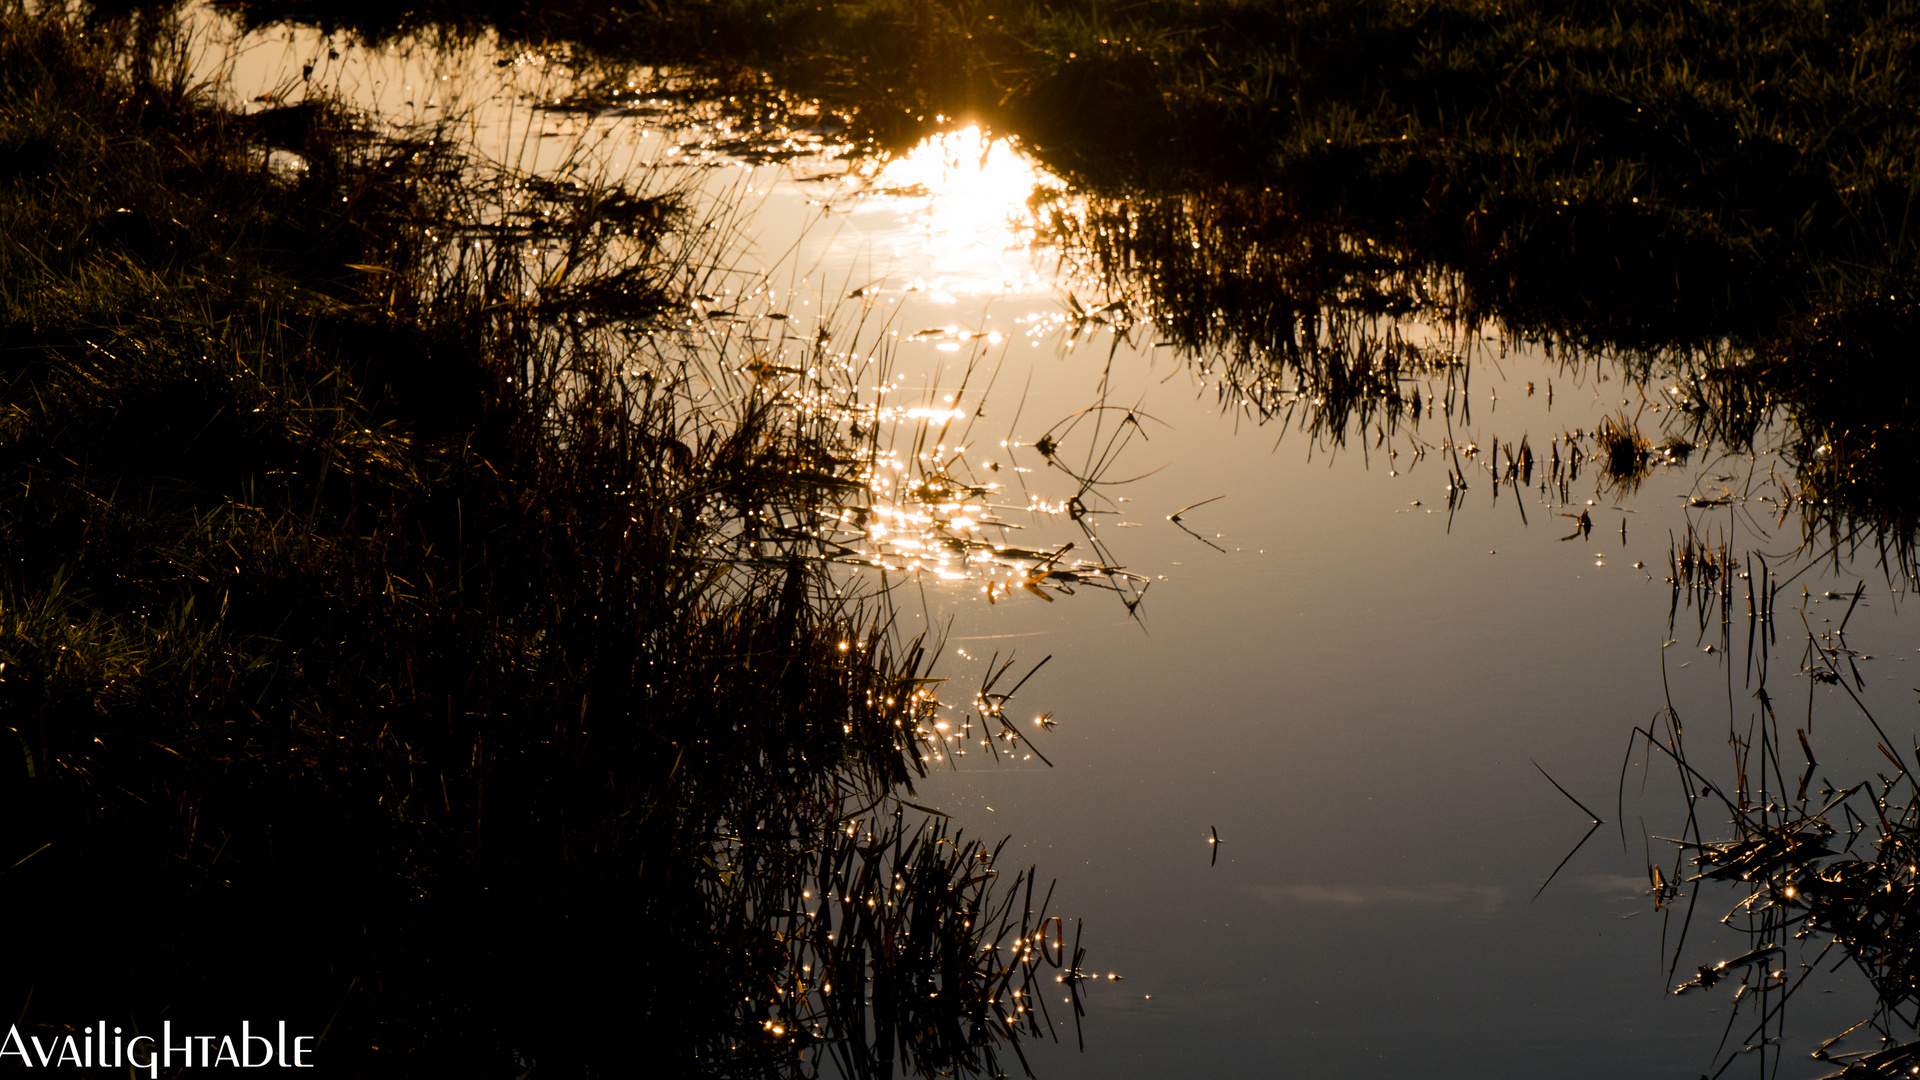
(408, 627)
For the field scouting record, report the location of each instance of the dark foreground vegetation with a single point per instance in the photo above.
(400, 636)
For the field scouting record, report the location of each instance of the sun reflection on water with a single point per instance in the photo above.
(911, 502)
(964, 194)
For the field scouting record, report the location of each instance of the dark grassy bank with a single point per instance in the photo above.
(1637, 168)
(395, 641)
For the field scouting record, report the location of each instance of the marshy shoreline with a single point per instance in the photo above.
(404, 640)
(411, 634)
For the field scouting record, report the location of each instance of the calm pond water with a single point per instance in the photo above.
(1352, 685)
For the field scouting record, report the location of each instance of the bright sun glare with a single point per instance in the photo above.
(967, 196)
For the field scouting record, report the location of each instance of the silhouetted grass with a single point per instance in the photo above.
(1630, 168)
(1821, 877)
(1836, 394)
(1703, 189)
(407, 628)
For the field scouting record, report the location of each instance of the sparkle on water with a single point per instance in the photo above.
(965, 195)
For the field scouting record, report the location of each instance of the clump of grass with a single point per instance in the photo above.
(1823, 876)
(396, 603)
(1706, 575)
(1626, 457)
(1845, 378)
(1834, 394)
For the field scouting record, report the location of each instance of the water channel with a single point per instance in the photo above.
(1299, 787)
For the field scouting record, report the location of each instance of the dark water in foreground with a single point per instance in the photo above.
(1352, 684)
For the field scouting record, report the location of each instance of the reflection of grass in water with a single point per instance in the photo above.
(1226, 273)
(1695, 187)
(1821, 875)
(907, 932)
(1722, 123)
(1626, 457)
(1639, 175)
(1304, 322)
(393, 630)
(1841, 389)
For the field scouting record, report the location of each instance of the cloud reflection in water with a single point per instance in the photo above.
(1486, 897)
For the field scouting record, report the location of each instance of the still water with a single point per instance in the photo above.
(1356, 685)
